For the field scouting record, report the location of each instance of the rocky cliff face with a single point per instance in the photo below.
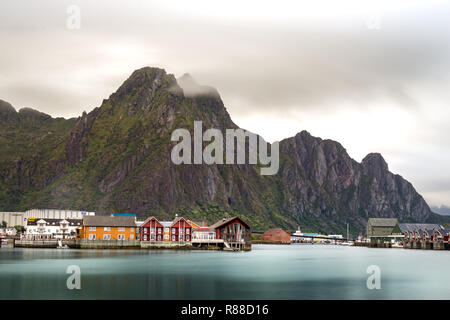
(117, 159)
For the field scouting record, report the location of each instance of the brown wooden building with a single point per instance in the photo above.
(234, 232)
(277, 235)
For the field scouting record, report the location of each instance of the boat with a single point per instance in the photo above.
(347, 242)
(3, 241)
(298, 233)
(61, 246)
(396, 244)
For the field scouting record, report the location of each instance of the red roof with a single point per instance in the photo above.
(221, 223)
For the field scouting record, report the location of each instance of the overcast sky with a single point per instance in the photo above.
(373, 75)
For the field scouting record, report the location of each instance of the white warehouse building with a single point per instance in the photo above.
(21, 218)
(12, 218)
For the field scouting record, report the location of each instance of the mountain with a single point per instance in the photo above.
(443, 210)
(116, 158)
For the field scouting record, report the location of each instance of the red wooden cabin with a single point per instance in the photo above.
(234, 231)
(180, 230)
(151, 230)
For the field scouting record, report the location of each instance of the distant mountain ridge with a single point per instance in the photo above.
(116, 158)
(443, 210)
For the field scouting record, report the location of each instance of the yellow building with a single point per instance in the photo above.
(108, 228)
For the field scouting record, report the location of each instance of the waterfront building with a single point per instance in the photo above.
(151, 230)
(56, 214)
(277, 235)
(20, 218)
(38, 229)
(424, 235)
(12, 218)
(442, 234)
(233, 231)
(203, 235)
(108, 228)
(166, 231)
(383, 230)
(178, 230)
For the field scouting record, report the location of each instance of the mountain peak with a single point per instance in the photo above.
(32, 113)
(151, 78)
(7, 111)
(375, 160)
(304, 133)
(6, 107)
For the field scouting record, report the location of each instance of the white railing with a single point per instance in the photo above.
(207, 241)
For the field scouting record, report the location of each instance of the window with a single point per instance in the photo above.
(173, 230)
(145, 230)
(120, 237)
(145, 238)
(159, 230)
(107, 229)
(173, 238)
(159, 237)
(188, 230)
(106, 237)
(131, 229)
(166, 237)
(121, 229)
(187, 238)
(166, 230)
(92, 237)
(152, 229)
(131, 236)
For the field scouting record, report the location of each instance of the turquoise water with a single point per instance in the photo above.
(267, 272)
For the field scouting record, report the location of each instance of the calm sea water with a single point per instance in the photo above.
(267, 272)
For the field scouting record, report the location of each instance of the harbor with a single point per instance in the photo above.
(69, 229)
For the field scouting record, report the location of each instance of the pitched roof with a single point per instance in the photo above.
(445, 231)
(418, 226)
(383, 222)
(54, 222)
(220, 223)
(179, 219)
(275, 230)
(149, 219)
(196, 224)
(108, 221)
